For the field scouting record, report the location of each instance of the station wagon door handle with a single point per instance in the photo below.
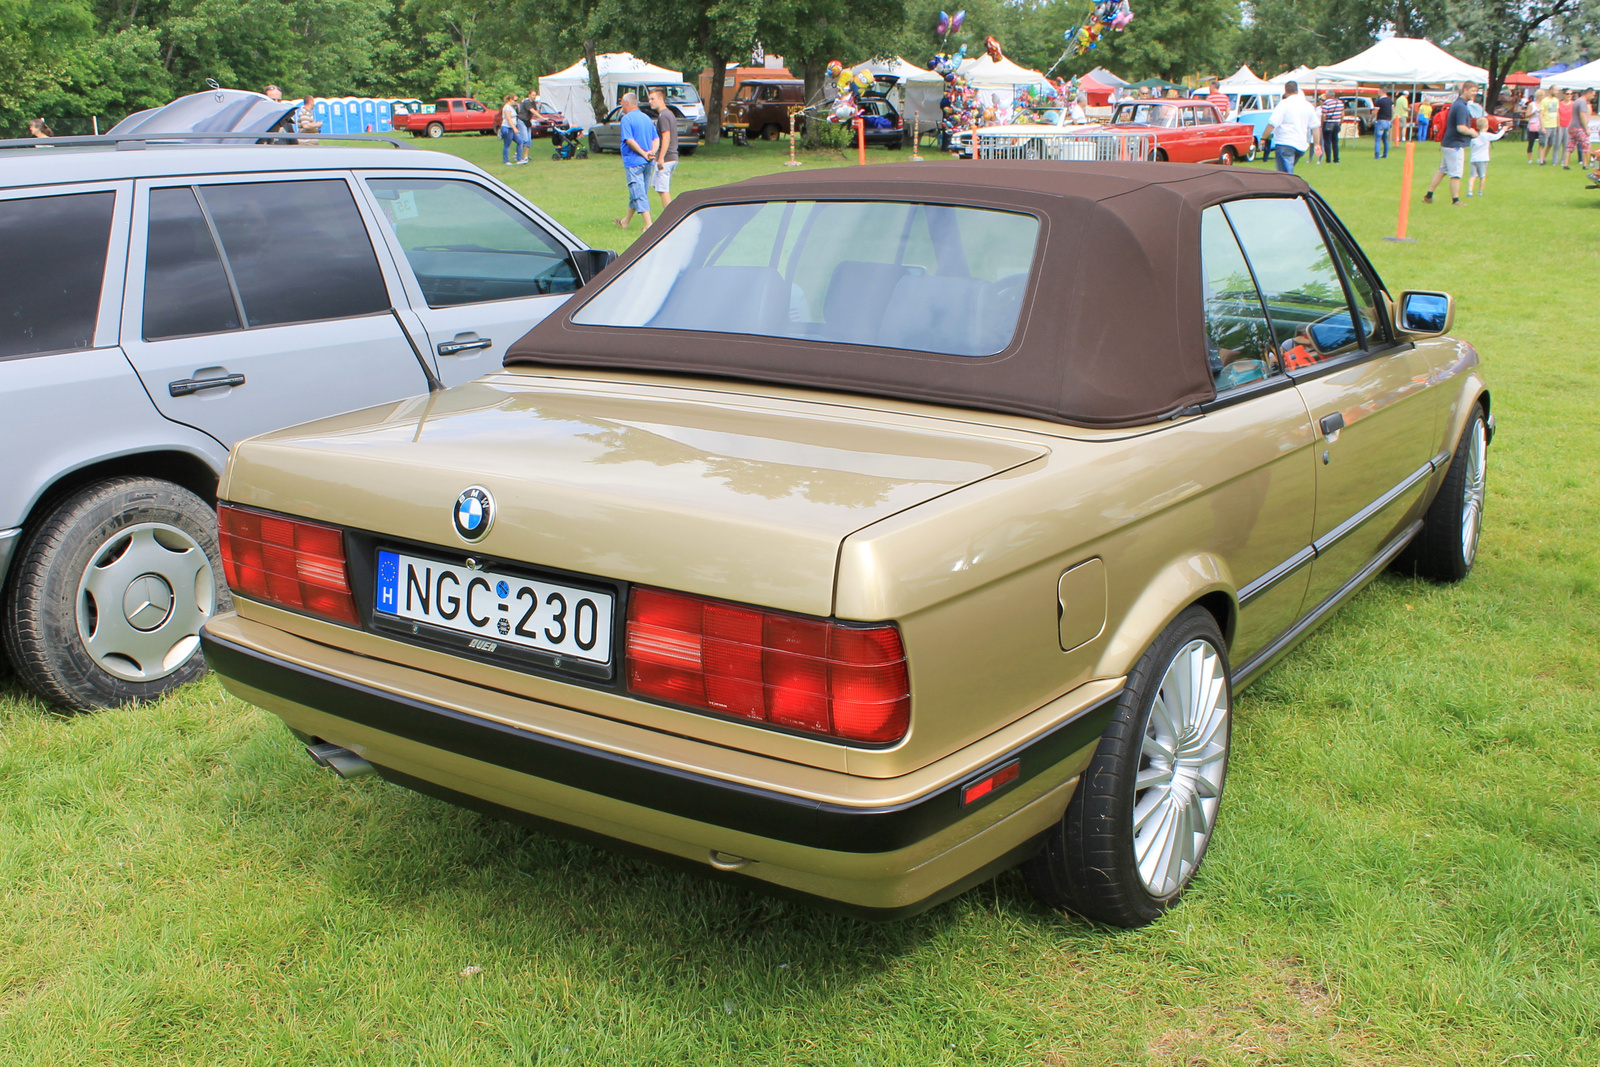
(450, 348)
(185, 386)
(1332, 424)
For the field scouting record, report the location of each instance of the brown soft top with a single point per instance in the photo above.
(1111, 330)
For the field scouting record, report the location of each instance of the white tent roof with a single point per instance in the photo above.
(985, 73)
(1584, 77)
(899, 67)
(1306, 78)
(568, 90)
(1410, 60)
(1244, 80)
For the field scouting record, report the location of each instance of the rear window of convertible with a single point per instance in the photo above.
(927, 277)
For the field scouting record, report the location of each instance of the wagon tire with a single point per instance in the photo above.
(1142, 816)
(594, 144)
(108, 593)
(1447, 545)
(435, 130)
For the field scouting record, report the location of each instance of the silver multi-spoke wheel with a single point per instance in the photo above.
(1182, 760)
(142, 599)
(1475, 475)
(1140, 821)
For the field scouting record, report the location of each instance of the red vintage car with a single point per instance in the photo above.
(450, 114)
(1186, 131)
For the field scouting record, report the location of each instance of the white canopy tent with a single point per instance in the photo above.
(1307, 78)
(568, 90)
(1404, 61)
(987, 76)
(920, 89)
(1244, 80)
(1584, 77)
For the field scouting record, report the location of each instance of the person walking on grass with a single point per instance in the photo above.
(666, 156)
(1289, 128)
(1578, 128)
(1530, 112)
(1382, 122)
(1549, 117)
(1332, 114)
(1480, 156)
(1459, 131)
(638, 158)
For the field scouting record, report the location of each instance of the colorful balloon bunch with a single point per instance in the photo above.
(850, 85)
(1106, 14)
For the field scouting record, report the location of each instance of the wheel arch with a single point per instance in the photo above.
(191, 470)
(1202, 579)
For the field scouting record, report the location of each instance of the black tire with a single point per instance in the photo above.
(770, 132)
(1088, 863)
(104, 524)
(435, 130)
(594, 145)
(687, 151)
(1443, 550)
(1228, 156)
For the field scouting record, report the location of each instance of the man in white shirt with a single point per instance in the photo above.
(1290, 128)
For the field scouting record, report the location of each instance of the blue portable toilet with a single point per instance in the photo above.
(385, 116)
(319, 108)
(335, 123)
(352, 114)
(369, 114)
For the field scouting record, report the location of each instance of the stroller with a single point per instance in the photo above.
(568, 144)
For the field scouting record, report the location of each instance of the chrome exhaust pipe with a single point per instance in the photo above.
(341, 761)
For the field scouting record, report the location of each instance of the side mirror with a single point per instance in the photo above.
(1425, 314)
(588, 262)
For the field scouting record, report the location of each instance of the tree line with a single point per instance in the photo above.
(75, 61)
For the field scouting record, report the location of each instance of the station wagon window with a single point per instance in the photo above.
(1299, 283)
(52, 265)
(897, 275)
(185, 289)
(298, 250)
(1239, 343)
(467, 245)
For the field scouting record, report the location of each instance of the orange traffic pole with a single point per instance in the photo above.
(1405, 193)
(861, 141)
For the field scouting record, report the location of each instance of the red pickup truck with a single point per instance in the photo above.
(450, 114)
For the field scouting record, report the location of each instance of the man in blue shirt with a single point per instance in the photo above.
(638, 156)
(1459, 131)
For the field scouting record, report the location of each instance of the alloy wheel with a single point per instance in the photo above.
(1473, 492)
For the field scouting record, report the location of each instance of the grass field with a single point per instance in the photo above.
(1407, 869)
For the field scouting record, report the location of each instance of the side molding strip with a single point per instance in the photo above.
(1291, 637)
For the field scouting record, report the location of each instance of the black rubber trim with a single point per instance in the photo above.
(765, 813)
(1276, 575)
(742, 878)
(1360, 518)
(1292, 636)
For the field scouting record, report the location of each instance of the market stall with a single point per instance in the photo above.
(1584, 77)
(568, 90)
(919, 90)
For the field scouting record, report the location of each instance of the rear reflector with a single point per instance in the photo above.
(288, 562)
(814, 675)
(990, 782)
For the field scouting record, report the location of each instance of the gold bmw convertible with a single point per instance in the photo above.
(864, 533)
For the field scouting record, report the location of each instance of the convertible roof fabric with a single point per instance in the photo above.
(1111, 331)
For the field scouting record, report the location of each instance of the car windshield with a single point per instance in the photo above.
(891, 274)
(1152, 114)
(676, 94)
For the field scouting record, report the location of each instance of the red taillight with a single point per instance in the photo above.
(288, 562)
(814, 675)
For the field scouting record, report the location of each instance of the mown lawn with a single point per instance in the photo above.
(1407, 870)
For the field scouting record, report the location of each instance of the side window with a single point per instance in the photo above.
(185, 288)
(52, 265)
(1363, 294)
(1299, 283)
(769, 92)
(1239, 343)
(467, 245)
(298, 250)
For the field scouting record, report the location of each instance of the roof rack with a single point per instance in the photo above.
(126, 142)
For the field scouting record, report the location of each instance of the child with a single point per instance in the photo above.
(1480, 155)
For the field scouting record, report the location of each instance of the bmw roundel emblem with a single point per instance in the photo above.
(474, 513)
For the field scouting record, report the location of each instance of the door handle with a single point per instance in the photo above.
(450, 348)
(1332, 424)
(185, 386)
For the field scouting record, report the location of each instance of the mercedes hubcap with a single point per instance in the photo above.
(1473, 492)
(142, 599)
(1181, 765)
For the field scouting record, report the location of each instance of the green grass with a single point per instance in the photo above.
(1407, 870)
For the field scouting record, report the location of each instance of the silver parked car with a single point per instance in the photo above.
(160, 304)
(607, 136)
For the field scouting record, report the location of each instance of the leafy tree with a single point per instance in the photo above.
(1496, 32)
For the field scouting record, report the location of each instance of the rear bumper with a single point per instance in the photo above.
(879, 860)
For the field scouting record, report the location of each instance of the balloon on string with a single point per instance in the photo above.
(991, 48)
(955, 23)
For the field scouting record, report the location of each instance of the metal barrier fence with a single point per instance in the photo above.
(1077, 145)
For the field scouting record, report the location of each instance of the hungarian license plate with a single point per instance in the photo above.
(495, 610)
